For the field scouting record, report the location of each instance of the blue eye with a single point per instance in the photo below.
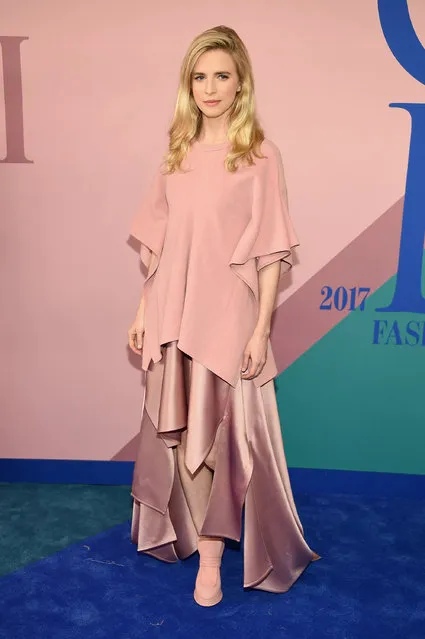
(221, 75)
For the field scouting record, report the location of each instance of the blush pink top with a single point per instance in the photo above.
(210, 231)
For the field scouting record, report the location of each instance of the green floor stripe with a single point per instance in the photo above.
(37, 520)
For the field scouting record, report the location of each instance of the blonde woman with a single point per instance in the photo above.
(215, 238)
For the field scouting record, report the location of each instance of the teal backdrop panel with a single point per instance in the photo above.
(350, 404)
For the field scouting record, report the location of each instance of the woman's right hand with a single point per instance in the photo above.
(136, 334)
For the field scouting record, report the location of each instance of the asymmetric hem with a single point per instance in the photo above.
(208, 450)
(209, 232)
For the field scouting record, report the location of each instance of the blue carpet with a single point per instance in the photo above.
(370, 583)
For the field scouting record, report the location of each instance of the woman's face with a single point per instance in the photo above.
(215, 78)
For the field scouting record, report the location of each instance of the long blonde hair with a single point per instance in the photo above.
(244, 132)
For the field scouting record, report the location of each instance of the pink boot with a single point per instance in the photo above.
(208, 581)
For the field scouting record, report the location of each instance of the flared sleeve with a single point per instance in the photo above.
(150, 222)
(270, 235)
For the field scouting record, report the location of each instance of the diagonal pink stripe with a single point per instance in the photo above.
(369, 260)
(127, 452)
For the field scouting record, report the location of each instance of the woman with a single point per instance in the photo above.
(215, 237)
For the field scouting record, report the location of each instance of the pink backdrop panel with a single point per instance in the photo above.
(98, 86)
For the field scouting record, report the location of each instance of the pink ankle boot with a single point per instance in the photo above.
(208, 581)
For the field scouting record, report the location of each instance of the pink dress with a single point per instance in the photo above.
(210, 446)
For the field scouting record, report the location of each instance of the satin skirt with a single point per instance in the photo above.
(209, 454)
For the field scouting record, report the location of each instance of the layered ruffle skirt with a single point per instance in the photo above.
(210, 454)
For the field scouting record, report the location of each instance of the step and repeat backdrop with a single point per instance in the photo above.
(87, 91)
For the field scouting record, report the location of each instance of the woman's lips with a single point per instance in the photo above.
(212, 102)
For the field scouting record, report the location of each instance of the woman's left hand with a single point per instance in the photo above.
(255, 355)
